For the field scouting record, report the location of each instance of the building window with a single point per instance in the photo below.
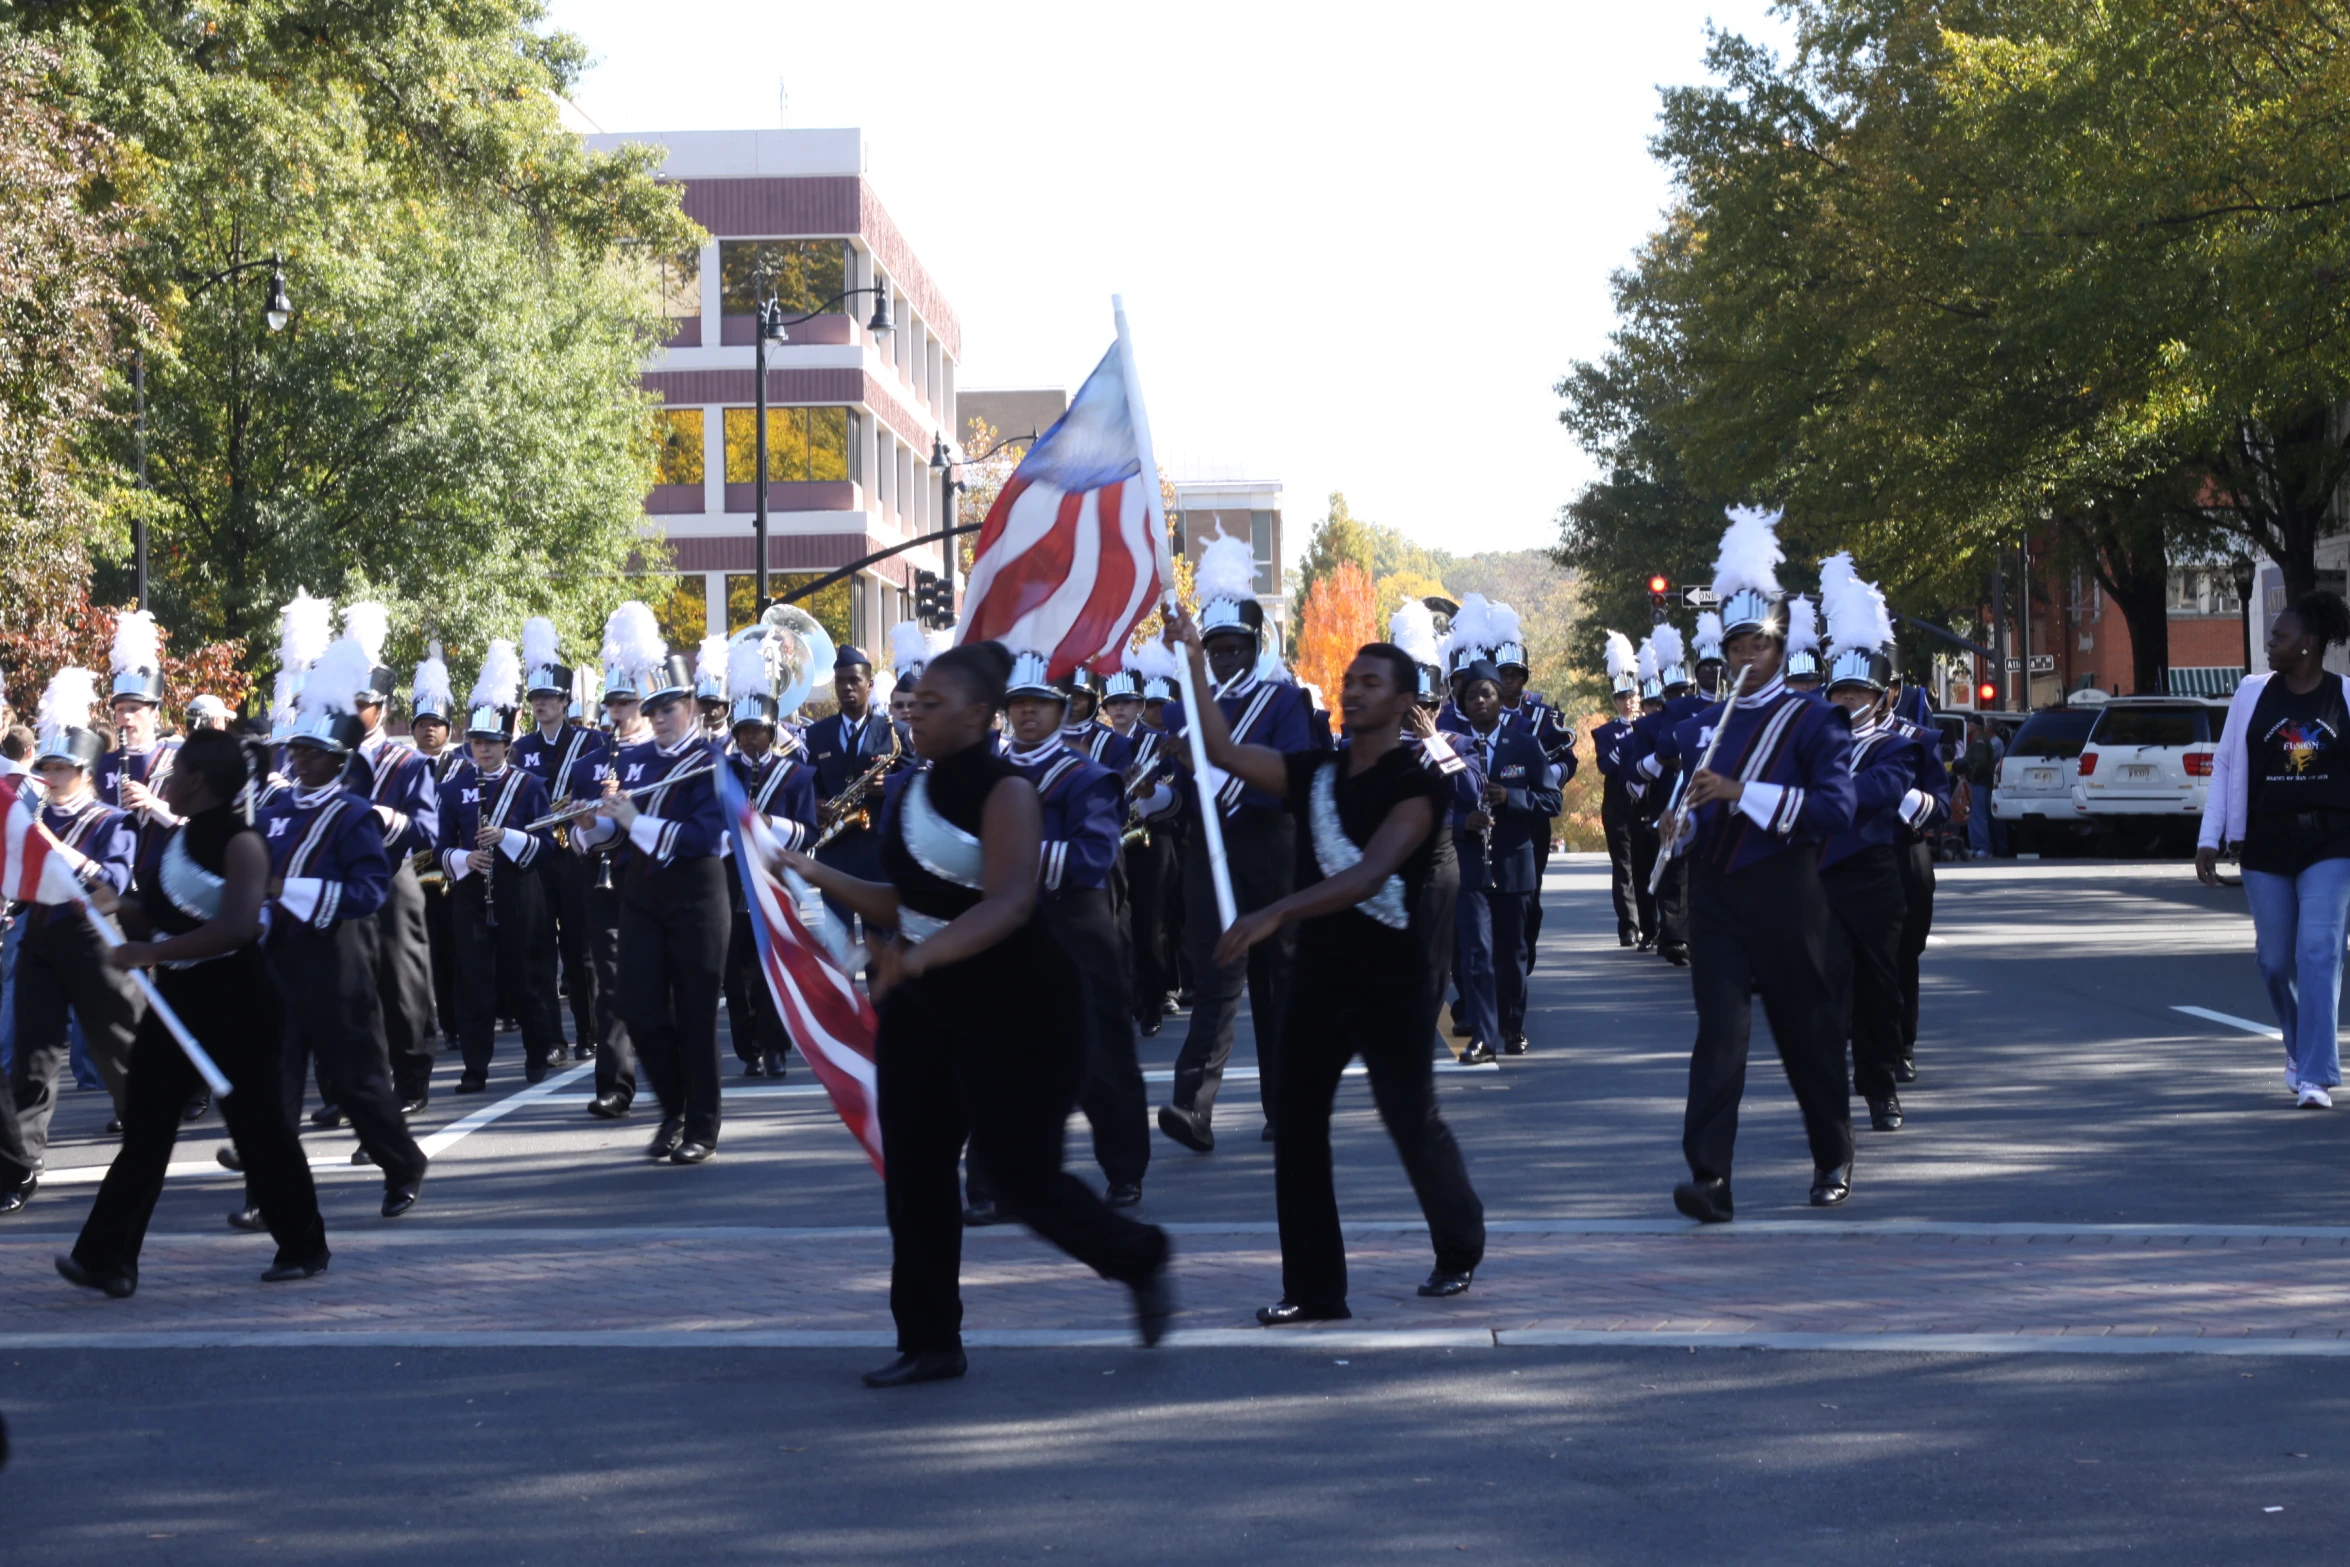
(808, 272)
(803, 445)
(2203, 590)
(1265, 545)
(676, 286)
(680, 460)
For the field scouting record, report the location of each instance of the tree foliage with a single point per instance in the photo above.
(1335, 623)
(1338, 539)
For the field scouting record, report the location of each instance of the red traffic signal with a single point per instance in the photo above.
(1986, 694)
(1657, 586)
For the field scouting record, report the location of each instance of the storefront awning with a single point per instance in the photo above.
(2214, 681)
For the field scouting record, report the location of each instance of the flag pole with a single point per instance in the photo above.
(1210, 817)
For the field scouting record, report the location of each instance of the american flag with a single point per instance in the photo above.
(1066, 563)
(829, 1018)
(30, 869)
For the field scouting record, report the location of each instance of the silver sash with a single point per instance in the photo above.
(1336, 853)
(938, 845)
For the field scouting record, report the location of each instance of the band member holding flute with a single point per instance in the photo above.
(1771, 779)
(567, 758)
(498, 909)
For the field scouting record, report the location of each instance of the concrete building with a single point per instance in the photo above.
(852, 417)
(1246, 509)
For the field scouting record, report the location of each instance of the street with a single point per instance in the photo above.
(2090, 1302)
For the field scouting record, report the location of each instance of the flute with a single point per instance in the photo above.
(579, 808)
(1672, 817)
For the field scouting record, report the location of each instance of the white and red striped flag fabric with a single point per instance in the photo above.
(1066, 563)
(829, 1018)
(31, 871)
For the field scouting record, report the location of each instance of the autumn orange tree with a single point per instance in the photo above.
(1339, 618)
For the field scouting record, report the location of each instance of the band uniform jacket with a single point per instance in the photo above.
(1793, 751)
(568, 767)
(327, 847)
(398, 781)
(1508, 857)
(101, 844)
(1083, 815)
(1270, 713)
(516, 799)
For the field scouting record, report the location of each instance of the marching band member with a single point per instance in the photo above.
(207, 711)
(772, 767)
(1656, 763)
(497, 903)
(1412, 628)
(1769, 778)
(196, 920)
(1498, 867)
(1803, 644)
(1913, 712)
(61, 967)
(566, 758)
(844, 748)
(407, 801)
(1532, 714)
(1615, 803)
(429, 705)
(1260, 849)
(982, 1024)
(1365, 979)
(1088, 731)
(710, 686)
(328, 873)
(633, 658)
(673, 908)
(1708, 642)
(127, 776)
(1647, 797)
(1154, 860)
(1082, 810)
(1859, 867)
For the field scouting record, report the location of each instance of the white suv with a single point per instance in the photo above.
(2147, 763)
(2037, 777)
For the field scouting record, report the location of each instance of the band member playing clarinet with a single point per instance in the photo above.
(568, 759)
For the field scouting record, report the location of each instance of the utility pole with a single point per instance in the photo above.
(1999, 620)
(2023, 627)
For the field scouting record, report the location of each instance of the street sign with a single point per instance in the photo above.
(2042, 664)
(1700, 598)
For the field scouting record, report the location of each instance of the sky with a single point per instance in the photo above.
(1358, 244)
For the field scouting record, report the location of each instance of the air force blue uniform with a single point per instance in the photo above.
(1501, 873)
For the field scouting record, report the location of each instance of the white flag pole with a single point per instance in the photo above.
(1210, 817)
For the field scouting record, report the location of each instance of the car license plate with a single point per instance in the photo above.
(2042, 777)
(2135, 774)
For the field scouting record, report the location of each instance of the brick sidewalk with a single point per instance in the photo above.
(1727, 1283)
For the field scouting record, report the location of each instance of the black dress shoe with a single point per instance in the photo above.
(583, 1052)
(979, 1215)
(1676, 956)
(1183, 1000)
(693, 1153)
(666, 1138)
(114, 1127)
(938, 1365)
(1708, 1202)
(1190, 1130)
(119, 1285)
(775, 1066)
(1885, 1113)
(1623, 940)
(1147, 1027)
(1477, 1053)
(194, 1109)
(1283, 1313)
(411, 1106)
(469, 1084)
(1645, 944)
(754, 1069)
(608, 1107)
(534, 1072)
(1123, 1194)
(1154, 1301)
(399, 1199)
(326, 1117)
(229, 1158)
(282, 1272)
(1442, 1284)
(1266, 1134)
(1830, 1187)
(362, 1156)
(1905, 1070)
(246, 1218)
(14, 1199)
(1515, 1045)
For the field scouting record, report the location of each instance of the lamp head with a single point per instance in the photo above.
(281, 308)
(880, 325)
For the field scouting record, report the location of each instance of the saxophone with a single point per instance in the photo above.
(851, 807)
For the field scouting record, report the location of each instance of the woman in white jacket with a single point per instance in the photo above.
(2280, 791)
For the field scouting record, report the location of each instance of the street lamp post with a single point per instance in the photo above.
(278, 312)
(944, 462)
(771, 328)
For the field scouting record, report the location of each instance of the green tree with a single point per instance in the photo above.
(1340, 538)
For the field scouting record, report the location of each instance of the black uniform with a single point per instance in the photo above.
(568, 765)
(781, 786)
(505, 956)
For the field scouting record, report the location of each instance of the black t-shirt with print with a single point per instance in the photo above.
(2297, 797)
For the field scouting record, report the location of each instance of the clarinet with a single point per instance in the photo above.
(489, 878)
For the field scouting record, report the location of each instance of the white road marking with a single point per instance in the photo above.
(2244, 1023)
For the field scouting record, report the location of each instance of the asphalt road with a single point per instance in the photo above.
(2060, 1085)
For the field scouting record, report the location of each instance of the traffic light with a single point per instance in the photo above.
(1986, 694)
(934, 599)
(1657, 588)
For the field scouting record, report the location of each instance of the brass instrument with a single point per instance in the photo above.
(1138, 830)
(850, 808)
(578, 810)
(429, 870)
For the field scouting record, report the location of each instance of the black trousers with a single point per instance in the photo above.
(232, 1008)
(1672, 904)
(564, 880)
(1516, 917)
(403, 975)
(1917, 885)
(1259, 847)
(443, 943)
(1334, 1016)
(1476, 960)
(1154, 914)
(61, 973)
(1533, 926)
(1085, 925)
(327, 978)
(506, 969)
(950, 1071)
(1633, 921)
(750, 1008)
(1763, 931)
(615, 1051)
(673, 928)
(1646, 846)
(1864, 961)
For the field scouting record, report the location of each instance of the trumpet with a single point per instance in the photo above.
(849, 808)
(580, 809)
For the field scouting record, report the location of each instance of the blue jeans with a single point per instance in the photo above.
(2298, 927)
